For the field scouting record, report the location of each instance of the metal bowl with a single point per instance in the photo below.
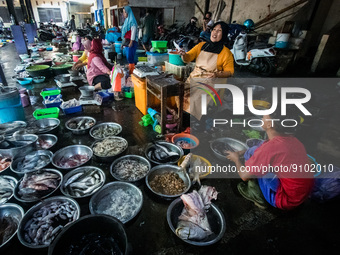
(98, 200)
(109, 159)
(80, 170)
(235, 144)
(77, 119)
(131, 157)
(170, 146)
(105, 124)
(37, 207)
(15, 181)
(9, 128)
(47, 125)
(15, 212)
(256, 122)
(14, 165)
(64, 77)
(51, 139)
(100, 224)
(162, 169)
(70, 151)
(86, 91)
(215, 218)
(73, 72)
(16, 189)
(28, 142)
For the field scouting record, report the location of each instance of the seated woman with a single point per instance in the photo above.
(98, 69)
(78, 46)
(214, 63)
(82, 61)
(281, 189)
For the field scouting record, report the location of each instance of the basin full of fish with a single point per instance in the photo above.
(130, 168)
(5, 162)
(7, 185)
(94, 244)
(80, 125)
(53, 99)
(83, 182)
(193, 222)
(46, 141)
(222, 148)
(185, 143)
(163, 153)
(118, 199)
(37, 185)
(31, 162)
(43, 222)
(73, 161)
(70, 103)
(109, 147)
(8, 226)
(105, 130)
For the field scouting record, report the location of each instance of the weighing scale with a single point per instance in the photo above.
(65, 84)
(90, 100)
(144, 70)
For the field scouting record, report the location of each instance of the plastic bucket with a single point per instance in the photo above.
(118, 47)
(282, 40)
(175, 59)
(10, 106)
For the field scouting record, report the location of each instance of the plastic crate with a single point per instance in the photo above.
(74, 109)
(179, 71)
(128, 93)
(52, 92)
(142, 59)
(52, 112)
(104, 96)
(159, 44)
(53, 104)
(157, 58)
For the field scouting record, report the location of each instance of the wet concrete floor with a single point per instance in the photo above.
(312, 228)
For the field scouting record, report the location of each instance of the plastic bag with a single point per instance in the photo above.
(327, 186)
(117, 78)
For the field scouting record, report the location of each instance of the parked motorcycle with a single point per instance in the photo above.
(260, 60)
(45, 35)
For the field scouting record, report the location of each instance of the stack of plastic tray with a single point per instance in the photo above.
(52, 112)
(179, 71)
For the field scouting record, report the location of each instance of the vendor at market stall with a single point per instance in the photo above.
(129, 36)
(82, 61)
(78, 46)
(282, 189)
(214, 63)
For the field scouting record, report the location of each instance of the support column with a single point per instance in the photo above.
(24, 11)
(11, 10)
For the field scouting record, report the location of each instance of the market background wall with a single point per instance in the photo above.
(49, 4)
(255, 10)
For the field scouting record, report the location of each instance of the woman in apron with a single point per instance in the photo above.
(214, 64)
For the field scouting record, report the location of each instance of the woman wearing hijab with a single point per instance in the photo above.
(129, 36)
(82, 61)
(214, 63)
(78, 46)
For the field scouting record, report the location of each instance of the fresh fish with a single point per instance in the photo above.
(8, 226)
(84, 183)
(81, 124)
(106, 131)
(161, 153)
(32, 162)
(70, 103)
(4, 163)
(6, 189)
(193, 222)
(121, 204)
(73, 161)
(48, 221)
(222, 148)
(94, 244)
(130, 169)
(38, 184)
(110, 147)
